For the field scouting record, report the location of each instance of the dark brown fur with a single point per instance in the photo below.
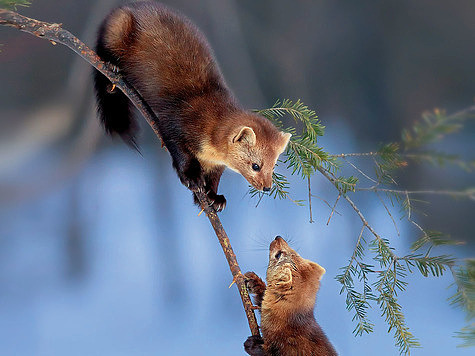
(168, 60)
(287, 321)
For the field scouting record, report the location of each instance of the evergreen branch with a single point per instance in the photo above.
(334, 181)
(280, 189)
(299, 112)
(355, 300)
(392, 312)
(12, 4)
(467, 334)
(356, 253)
(434, 126)
(433, 238)
(441, 159)
(55, 34)
(464, 279)
(435, 265)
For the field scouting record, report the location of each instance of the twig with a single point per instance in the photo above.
(353, 256)
(360, 171)
(309, 199)
(333, 180)
(389, 213)
(326, 203)
(55, 34)
(364, 154)
(333, 209)
(470, 193)
(409, 210)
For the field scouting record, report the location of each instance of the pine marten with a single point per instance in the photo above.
(287, 322)
(169, 61)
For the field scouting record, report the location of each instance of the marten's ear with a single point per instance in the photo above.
(318, 270)
(287, 137)
(245, 134)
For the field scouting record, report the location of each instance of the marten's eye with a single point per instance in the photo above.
(256, 167)
(278, 254)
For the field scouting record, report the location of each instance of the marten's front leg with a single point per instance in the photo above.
(211, 187)
(212, 182)
(255, 286)
(187, 167)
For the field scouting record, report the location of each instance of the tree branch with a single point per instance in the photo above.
(56, 34)
(469, 193)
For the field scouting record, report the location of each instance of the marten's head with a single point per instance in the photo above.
(254, 146)
(291, 279)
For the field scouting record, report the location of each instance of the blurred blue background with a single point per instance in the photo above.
(102, 251)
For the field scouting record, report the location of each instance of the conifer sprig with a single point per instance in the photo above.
(12, 4)
(464, 276)
(362, 283)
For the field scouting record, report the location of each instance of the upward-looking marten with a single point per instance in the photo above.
(168, 60)
(287, 322)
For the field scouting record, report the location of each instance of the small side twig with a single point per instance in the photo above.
(310, 199)
(333, 209)
(56, 34)
(389, 213)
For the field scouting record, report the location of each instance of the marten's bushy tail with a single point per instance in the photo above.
(114, 108)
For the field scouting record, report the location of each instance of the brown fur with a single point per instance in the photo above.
(287, 322)
(168, 60)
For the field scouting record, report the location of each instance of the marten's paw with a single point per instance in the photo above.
(218, 201)
(192, 178)
(253, 345)
(254, 284)
(195, 184)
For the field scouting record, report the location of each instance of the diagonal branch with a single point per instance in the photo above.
(56, 34)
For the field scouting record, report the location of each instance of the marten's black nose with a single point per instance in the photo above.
(266, 189)
(277, 237)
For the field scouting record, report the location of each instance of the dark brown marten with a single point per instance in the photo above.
(287, 322)
(168, 60)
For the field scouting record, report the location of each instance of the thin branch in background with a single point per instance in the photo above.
(326, 203)
(333, 209)
(355, 251)
(389, 213)
(360, 171)
(332, 180)
(364, 154)
(309, 199)
(407, 202)
(54, 33)
(467, 193)
(261, 195)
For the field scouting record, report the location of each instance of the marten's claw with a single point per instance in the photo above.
(195, 185)
(115, 68)
(219, 203)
